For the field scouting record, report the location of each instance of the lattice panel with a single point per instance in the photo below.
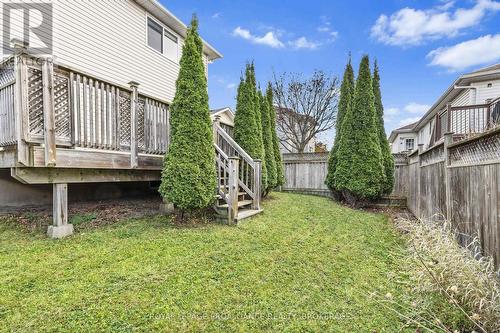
(400, 158)
(434, 155)
(141, 142)
(35, 101)
(483, 149)
(124, 119)
(61, 107)
(6, 75)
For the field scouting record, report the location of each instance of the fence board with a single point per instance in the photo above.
(474, 176)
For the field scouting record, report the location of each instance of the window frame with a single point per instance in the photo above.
(148, 20)
(164, 29)
(406, 144)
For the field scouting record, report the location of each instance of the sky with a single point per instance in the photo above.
(421, 46)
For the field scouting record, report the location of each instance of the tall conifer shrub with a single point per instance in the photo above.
(189, 176)
(345, 104)
(359, 172)
(387, 159)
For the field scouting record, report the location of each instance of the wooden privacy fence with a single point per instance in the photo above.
(459, 182)
(306, 173)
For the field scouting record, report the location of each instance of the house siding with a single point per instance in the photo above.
(485, 93)
(107, 39)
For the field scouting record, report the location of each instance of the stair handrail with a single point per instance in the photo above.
(234, 145)
(249, 176)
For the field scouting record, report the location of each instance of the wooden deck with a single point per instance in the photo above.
(56, 117)
(60, 126)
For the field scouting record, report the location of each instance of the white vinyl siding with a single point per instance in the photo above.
(463, 98)
(108, 40)
(484, 92)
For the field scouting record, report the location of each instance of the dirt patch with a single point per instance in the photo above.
(87, 215)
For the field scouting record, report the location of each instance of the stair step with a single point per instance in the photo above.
(241, 203)
(246, 213)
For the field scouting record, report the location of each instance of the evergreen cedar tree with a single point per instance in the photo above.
(359, 172)
(345, 104)
(189, 175)
(387, 158)
(267, 137)
(280, 174)
(247, 121)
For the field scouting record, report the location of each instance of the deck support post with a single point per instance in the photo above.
(60, 227)
(49, 113)
(257, 184)
(21, 101)
(233, 187)
(134, 96)
(448, 140)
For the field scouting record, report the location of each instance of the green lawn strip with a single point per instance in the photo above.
(305, 264)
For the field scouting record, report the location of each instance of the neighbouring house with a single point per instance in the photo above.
(93, 111)
(226, 118)
(469, 106)
(290, 127)
(403, 139)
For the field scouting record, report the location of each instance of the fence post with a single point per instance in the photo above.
(448, 140)
(21, 101)
(419, 167)
(257, 184)
(49, 118)
(233, 187)
(133, 124)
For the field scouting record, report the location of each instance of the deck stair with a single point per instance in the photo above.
(238, 179)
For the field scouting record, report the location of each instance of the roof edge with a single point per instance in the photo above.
(207, 48)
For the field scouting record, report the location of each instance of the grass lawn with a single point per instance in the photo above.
(305, 264)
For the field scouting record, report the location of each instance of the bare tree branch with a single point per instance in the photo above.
(305, 107)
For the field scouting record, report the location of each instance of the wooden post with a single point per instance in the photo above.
(21, 101)
(133, 124)
(448, 140)
(60, 227)
(49, 120)
(232, 210)
(448, 117)
(257, 184)
(215, 125)
(419, 167)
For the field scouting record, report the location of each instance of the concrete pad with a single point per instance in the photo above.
(60, 231)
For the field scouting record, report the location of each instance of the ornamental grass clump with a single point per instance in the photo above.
(439, 264)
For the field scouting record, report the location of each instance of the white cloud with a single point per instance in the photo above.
(391, 111)
(304, 43)
(411, 112)
(216, 15)
(408, 121)
(411, 26)
(480, 51)
(270, 38)
(231, 85)
(323, 29)
(416, 108)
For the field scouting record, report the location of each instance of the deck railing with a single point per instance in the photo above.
(59, 106)
(467, 120)
(7, 111)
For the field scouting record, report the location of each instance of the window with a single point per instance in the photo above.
(155, 32)
(170, 45)
(163, 40)
(409, 144)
